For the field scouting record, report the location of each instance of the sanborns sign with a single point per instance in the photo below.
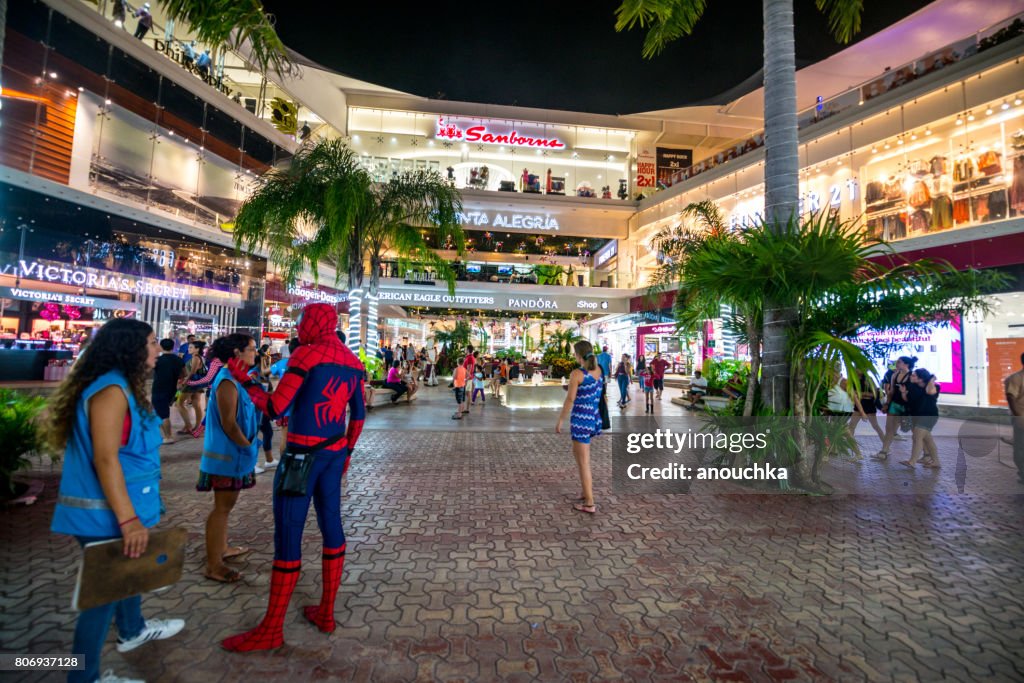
(446, 130)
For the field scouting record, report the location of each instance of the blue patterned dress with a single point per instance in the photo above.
(585, 421)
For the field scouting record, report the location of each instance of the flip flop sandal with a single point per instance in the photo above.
(907, 463)
(235, 553)
(232, 576)
(589, 509)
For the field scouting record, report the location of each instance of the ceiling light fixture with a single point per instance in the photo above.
(970, 116)
(1017, 101)
(1005, 105)
(988, 112)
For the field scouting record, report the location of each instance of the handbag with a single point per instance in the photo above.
(296, 464)
(602, 408)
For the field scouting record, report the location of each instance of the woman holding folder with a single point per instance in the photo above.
(102, 418)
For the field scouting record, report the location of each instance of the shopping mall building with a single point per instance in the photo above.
(122, 164)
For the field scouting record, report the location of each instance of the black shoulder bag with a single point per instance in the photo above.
(296, 464)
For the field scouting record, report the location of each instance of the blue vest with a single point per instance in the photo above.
(82, 508)
(221, 455)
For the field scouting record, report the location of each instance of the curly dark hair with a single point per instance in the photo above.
(223, 348)
(119, 345)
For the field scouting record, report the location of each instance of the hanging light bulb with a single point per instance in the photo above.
(899, 141)
(970, 116)
(1005, 105)
(927, 131)
(874, 150)
(959, 121)
(988, 112)
(1017, 101)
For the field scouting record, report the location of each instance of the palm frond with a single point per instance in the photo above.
(843, 17)
(233, 23)
(665, 20)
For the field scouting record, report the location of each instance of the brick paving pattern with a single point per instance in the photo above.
(465, 563)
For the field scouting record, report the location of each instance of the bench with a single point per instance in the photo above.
(382, 397)
(713, 402)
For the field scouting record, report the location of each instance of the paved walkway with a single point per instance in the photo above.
(466, 563)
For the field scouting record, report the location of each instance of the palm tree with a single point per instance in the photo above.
(234, 23)
(562, 341)
(324, 207)
(694, 304)
(828, 273)
(668, 20)
(395, 220)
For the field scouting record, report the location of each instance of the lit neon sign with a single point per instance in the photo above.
(450, 131)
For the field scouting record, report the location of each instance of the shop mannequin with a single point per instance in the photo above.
(547, 185)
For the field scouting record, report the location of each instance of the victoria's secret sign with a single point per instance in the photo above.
(449, 131)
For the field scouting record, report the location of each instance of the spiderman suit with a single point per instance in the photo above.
(323, 378)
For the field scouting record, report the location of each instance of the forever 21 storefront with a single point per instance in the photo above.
(67, 268)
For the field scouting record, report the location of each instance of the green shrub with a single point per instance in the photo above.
(562, 367)
(19, 434)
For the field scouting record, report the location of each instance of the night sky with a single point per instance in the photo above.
(554, 55)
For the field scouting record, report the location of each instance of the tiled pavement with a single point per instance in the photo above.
(466, 563)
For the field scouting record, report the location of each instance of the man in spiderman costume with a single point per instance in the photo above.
(322, 379)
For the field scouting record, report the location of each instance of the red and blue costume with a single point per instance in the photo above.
(323, 378)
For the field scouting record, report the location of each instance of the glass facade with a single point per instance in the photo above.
(496, 154)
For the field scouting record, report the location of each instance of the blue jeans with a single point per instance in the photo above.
(92, 626)
(267, 431)
(623, 381)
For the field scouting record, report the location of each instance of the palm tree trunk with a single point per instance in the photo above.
(781, 179)
(372, 319)
(353, 338)
(754, 339)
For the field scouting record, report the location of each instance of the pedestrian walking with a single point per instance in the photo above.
(647, 382)
(921, 396)
(460, 377)
(103, 421)
(894, 386)
(1013, 386)
(166, 374)
(624, 377)
(478, 388)
(145, 21)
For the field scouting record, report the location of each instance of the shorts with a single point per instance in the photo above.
(925, 422)
(216, 482)
(896, 409)
(460, 395)
(503, 381)
(162, 405)
(659, 384)
(648, 390)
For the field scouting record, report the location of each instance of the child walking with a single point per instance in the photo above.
(478, 387)
(582, 400)
(459, 377)
(647, 379)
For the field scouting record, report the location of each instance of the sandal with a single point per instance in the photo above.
(184, 432)
(231, 576)
(908, 463)
(235, 553)
(880, 455)
(589, 509)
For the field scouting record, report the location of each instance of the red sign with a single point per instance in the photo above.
(451, 131)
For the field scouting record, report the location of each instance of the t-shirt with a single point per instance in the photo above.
(1014, 387)
(699, 384)
(167, 373)
(604, 361)
(393, 375)
(839, 400)
(459, 378)
(658, 367)
(478, 381)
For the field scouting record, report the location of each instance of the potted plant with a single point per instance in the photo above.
(20, 435)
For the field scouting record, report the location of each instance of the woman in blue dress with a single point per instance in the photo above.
(583, 402)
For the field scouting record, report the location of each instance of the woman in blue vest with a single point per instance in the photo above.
(102, 418)
(230, 448)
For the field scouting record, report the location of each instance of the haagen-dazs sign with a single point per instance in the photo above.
(447, 130)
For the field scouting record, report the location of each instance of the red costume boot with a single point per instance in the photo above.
(322, 615)
(270, 633)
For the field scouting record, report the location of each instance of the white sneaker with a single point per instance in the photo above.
(270, 465)
(259, 470)
(109, 677)
(155, 629)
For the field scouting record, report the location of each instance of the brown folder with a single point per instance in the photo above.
(106, 575)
